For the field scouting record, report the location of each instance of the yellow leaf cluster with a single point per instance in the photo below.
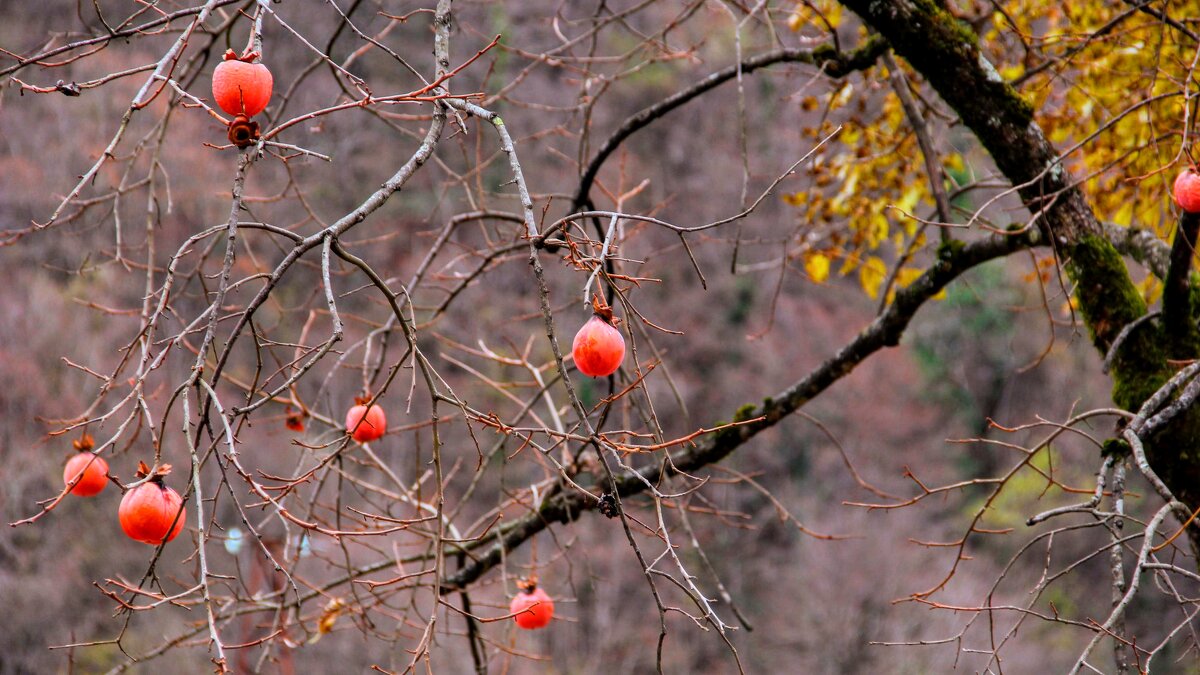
(1108, 86)
(1114, 99)
(816, 265)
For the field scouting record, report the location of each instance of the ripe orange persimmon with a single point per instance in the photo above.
(598, 348)
(366, 424)
(152, 513)
(1187, 190)
(531, 607)
(241, 87)
(92, 473)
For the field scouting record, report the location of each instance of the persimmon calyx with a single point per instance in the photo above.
(143, 471)
(248, 56)
(243, 132)
(602, 309)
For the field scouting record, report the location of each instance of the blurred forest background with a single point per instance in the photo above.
(995, 347)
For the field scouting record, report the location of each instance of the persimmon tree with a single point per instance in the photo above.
(438, 195)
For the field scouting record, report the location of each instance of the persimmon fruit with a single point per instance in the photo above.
(91, 471)
(152, 512)
(598, 348)
(531, 608)
(1187, 190)
(294, 420)
(366, 424)
(241, 87)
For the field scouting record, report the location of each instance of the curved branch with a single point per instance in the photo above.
(884, 331)
(163, 19)
(835, 64)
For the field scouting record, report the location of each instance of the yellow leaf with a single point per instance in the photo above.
(329, 616)
(871, 275)
(910, 199)
(877, 231)
(849, 264)
(842, 97)
(795, 198)
(847, 190)
(1012, 72)
(906, 276)
(1124, 214)
(1150, 288)
(817, 266)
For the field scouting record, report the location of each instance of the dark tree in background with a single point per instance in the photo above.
(877, 265)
